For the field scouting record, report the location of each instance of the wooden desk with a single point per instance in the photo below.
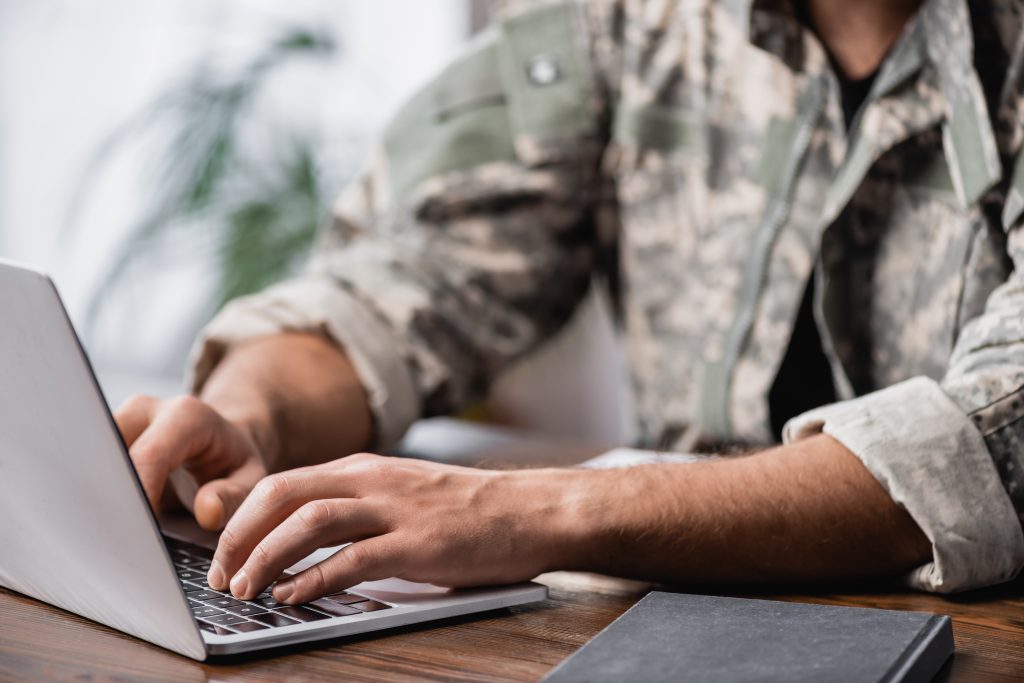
(39, 642)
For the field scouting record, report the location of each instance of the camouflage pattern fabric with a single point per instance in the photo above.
(694, 155)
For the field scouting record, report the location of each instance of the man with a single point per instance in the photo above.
(805, 203)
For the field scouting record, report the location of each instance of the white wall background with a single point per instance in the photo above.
(72, 71)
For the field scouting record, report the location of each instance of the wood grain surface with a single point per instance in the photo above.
(40, 642)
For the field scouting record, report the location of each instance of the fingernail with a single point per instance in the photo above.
(215, 577)
(240, 584)
(283, 590)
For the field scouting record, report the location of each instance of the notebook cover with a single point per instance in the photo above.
(678, 637)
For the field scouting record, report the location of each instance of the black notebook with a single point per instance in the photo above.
(677, 637)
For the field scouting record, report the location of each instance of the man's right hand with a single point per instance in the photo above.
(223, 457)
(272, 403)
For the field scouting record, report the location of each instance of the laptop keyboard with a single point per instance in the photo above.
(220, 613)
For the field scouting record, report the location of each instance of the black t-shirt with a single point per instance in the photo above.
(804, 380)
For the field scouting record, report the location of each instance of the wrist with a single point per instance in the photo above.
(562, 517)
(255, 418)
(262, 431)
(296, 395)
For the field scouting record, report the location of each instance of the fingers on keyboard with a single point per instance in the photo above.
(223, 615)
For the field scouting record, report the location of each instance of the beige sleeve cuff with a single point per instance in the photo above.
(933, 462)
(317, 304)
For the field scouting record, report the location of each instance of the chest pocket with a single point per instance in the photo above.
(923, 255)
(521, 83)
(658, 164)
(659, 127)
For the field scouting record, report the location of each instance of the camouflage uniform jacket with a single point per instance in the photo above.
(695, 153)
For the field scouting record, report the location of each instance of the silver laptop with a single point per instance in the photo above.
(77, 532)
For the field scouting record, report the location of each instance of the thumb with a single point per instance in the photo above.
(217, 500)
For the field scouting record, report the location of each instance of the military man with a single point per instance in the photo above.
(810, 215)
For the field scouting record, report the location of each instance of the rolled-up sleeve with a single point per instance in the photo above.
(316, 304)
(951, 451)
(933, 461)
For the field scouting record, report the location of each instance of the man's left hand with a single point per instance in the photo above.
(417, 520)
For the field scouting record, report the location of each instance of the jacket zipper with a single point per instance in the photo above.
(718, 380)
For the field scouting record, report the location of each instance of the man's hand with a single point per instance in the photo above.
(803, 511)
(809, 510)
(441, 524)
(272, 403)
(223, 457)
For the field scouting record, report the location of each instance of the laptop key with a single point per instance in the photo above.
(268, 602)
(224, 619)
(345, 598)
(225, 602)
(191, 588)
(335, 609)
(186, 575)
(206, 612)
(205, 596)
(370, 606)
(274, 619)
(186, 548)
(213, 628)
(248, 626)
(301, 613)
(246, 610)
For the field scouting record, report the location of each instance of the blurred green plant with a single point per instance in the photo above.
(256, 217)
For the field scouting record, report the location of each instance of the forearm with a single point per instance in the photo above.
(809, 510)
(297, 395)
